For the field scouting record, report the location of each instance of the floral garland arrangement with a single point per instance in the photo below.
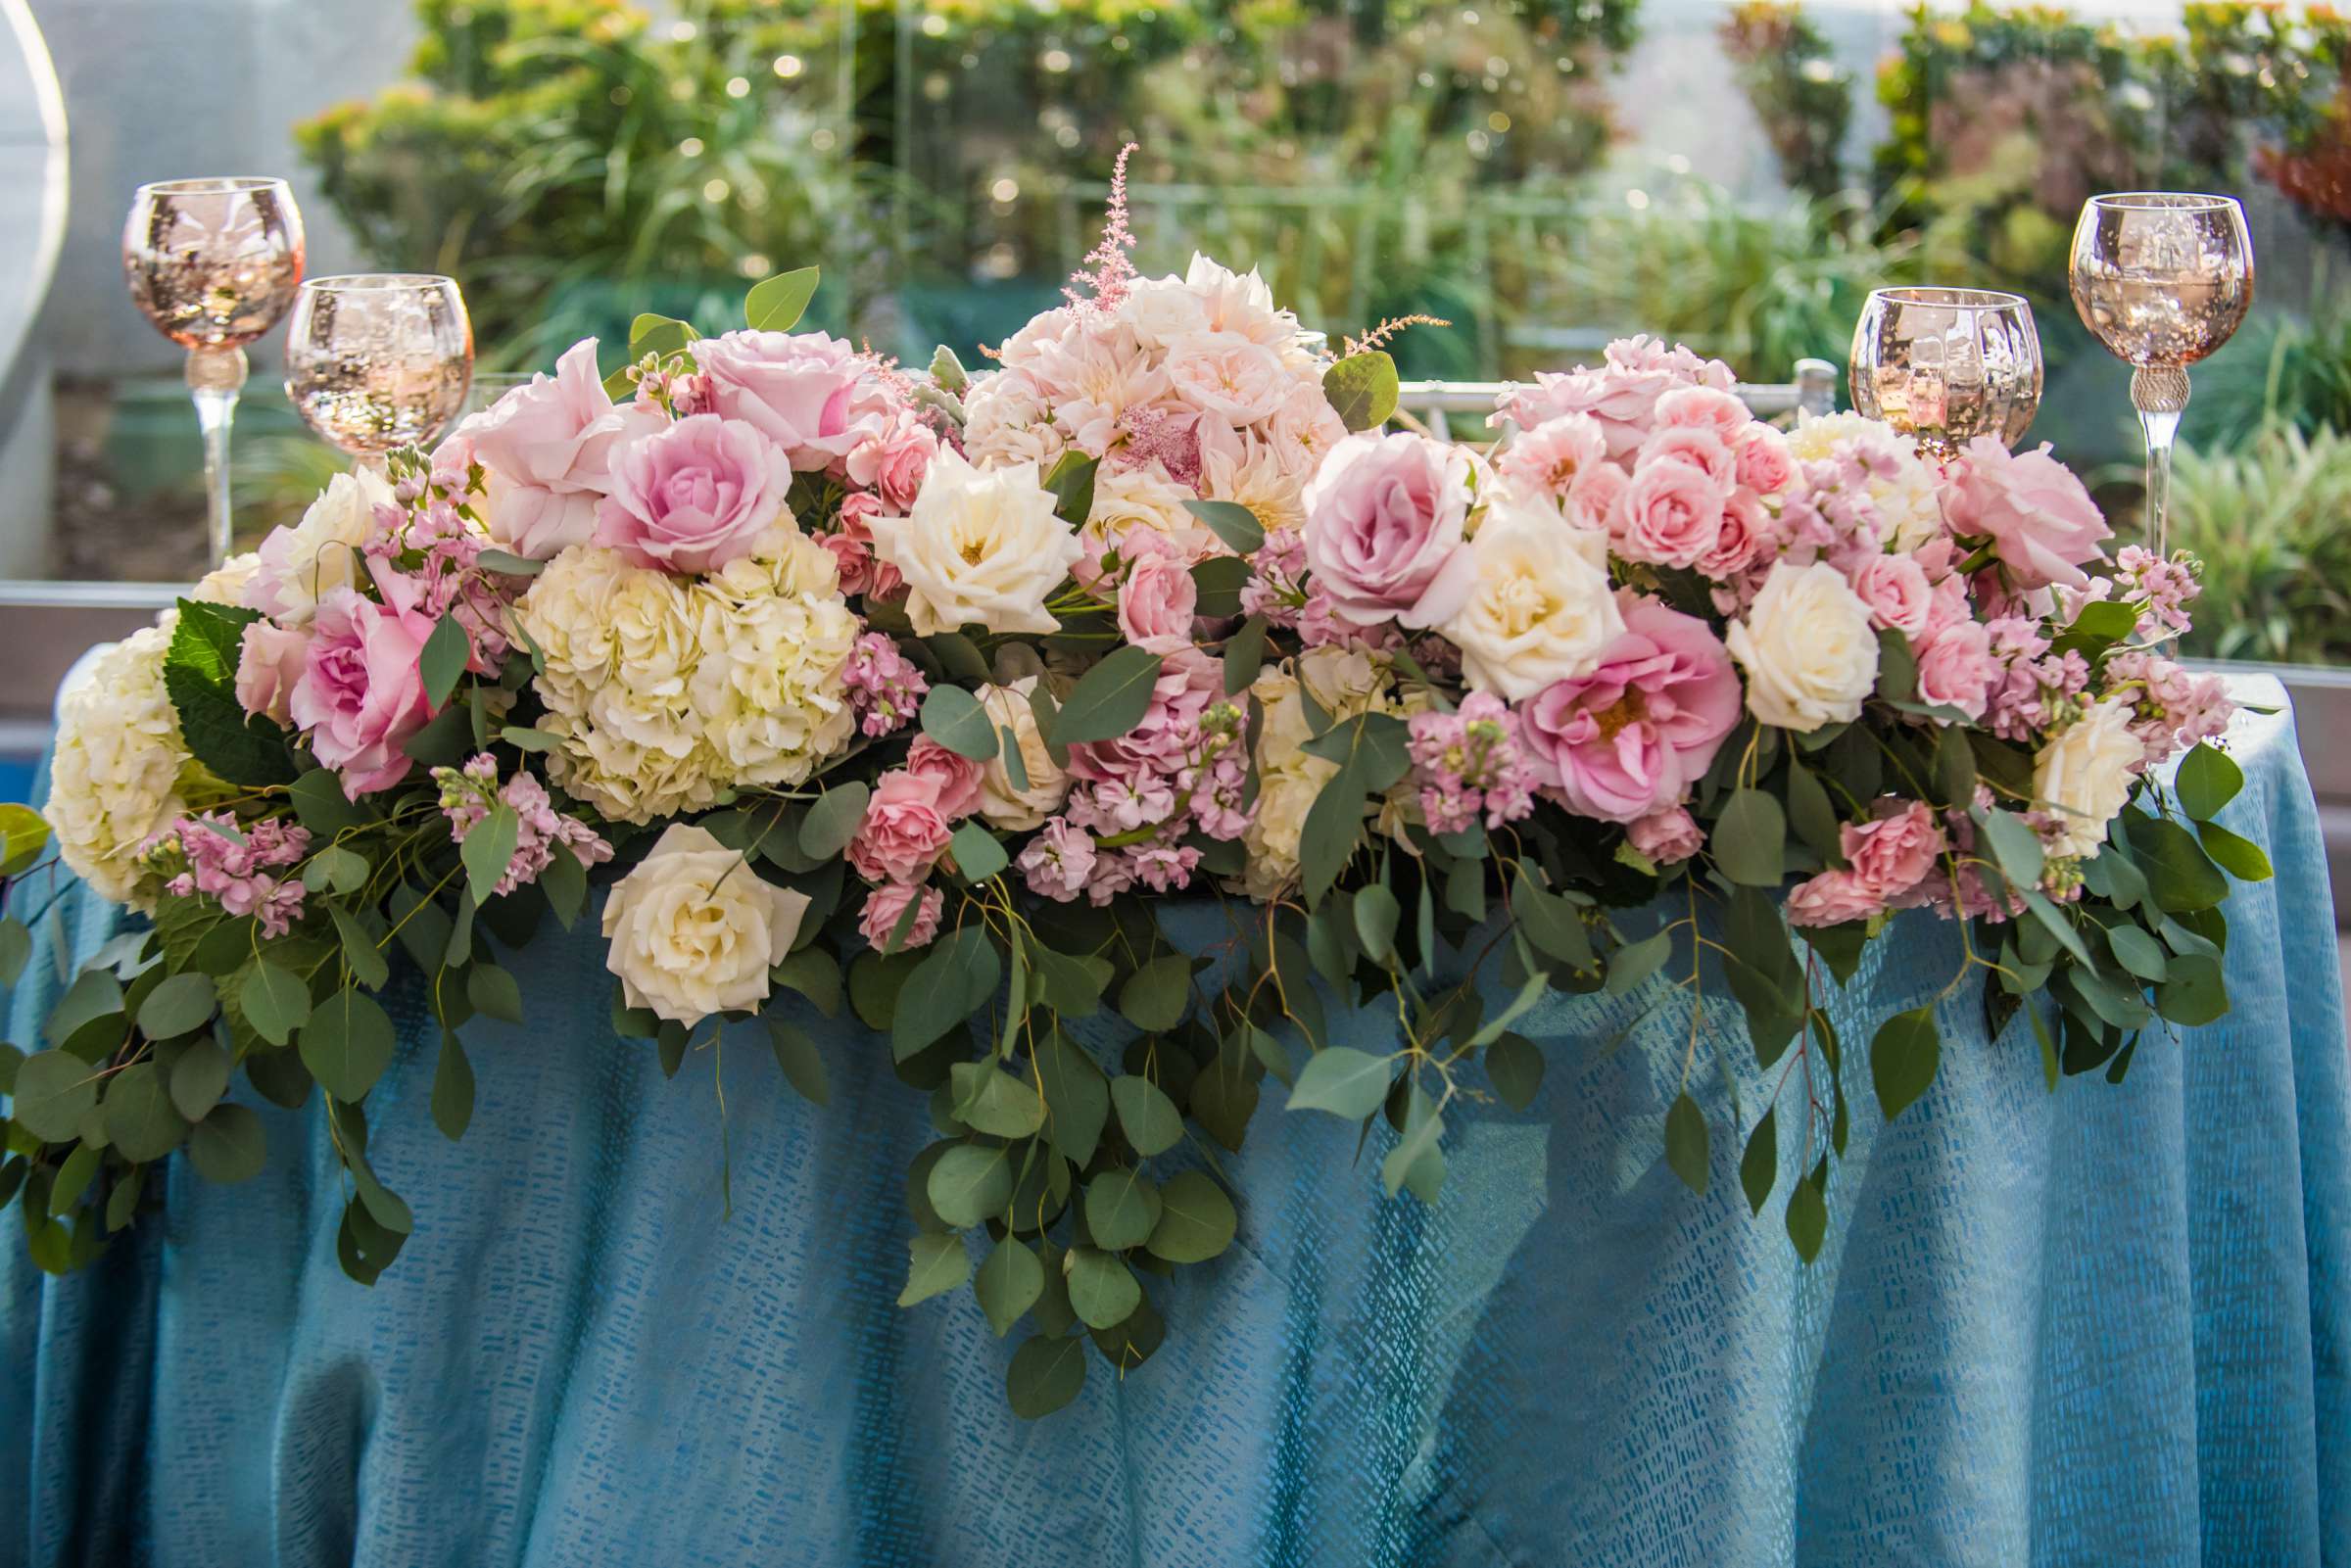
(918, 695)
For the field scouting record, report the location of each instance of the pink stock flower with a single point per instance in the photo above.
(888, 903)
(1895, 588)
(905, 829)
(1956, 669)
(798, 389)
(1386, 516)
(1470, 766)
(235, 866)
(1158, 599)
(1631, 737)
(361, 693)
(1058, 862)
(547, 449)
(1895, 852)
(693, 496)
(1831, 899)
(1549, 458)
(885, 687)
(2039, 518)
(270, 659)
(1668, 838)
(956, 775)
(1670, 515)
(466, 795)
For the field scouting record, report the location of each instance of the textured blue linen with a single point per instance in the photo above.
(2105, 1326)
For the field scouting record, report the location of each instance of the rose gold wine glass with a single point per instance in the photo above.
(2162, 278)
(213, 263)
(378, 359)
(1946, 366)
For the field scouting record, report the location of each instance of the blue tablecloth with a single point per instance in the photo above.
(2107, 1326)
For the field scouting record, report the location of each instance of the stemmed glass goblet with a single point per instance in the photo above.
(213, 263)
(378, 359)
(1946, 366)
(2161, 278)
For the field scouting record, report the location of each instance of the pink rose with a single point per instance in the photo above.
(270, 660)
(893, 463)
(1956, 669)
(1157, 600)
(361, 693)
(1695, 445)
(547, 449)
(2040, 519)
(886, 905)
(1744, 536)
(1549, 458)
(1705, 408)
(1631, 737)
(1670, 514)
(1161, 741)
(693, 496)
(1948, 606)
(903, 832)
(1893, 854)
(957, 776)
(1895, 588)
(1595, 501)
(1384, 520)
(1831, 899)
(1766, 466)
(1667, 838)
(1622, 403)
(798, 389)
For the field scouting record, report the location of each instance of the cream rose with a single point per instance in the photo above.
(2083, 776)
(1807, 649)
(978, 546)
(694, 929)
(301, 565)
(1001, 805)
(1539, 607)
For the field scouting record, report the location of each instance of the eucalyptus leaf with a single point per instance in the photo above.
(1515, 1064)
(54, 1092)
(1109, 700)
(1045, 1374)
(1686, 1142)
(347, 1044)
(1149, 1118)
(1236, 525)
(833, 818)
(936, 1264)
(1156, 995)
(2208, 780)
(177, 1005)
(453, 1088)
(199, 1079)
(1008, 1284)
(1102, 1289)
(1343, 1082)
(1750, 839)
(1902, 1058)
(1122, 1209)
(969, 1184)
(1759, 1166)
(956, 720)
(776, 302)
(447, 651)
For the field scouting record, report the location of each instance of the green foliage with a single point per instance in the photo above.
(1802, 97)
(2269, 525)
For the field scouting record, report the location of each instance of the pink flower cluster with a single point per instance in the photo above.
(1888, 860)
(233, 865)
(885, 687)
(1467, 765)
(2175, 707)
(909, 821)
(469, 793)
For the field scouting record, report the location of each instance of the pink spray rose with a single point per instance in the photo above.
(886, 905)
(1765, 464)
(1670, 514)
(546, 452)
(1158, 598)
(1893, 854)
(1831, 899)
(1631, 737)
(903, 832)
(1667, 838)
(693, 496)
(1956, 669)
(957, 776)
(1895, 588)
(2042, 521)
(798, 389)
(1548, 459)
(1384, 520)
(891, 460)
(361, 693)
(1696, 445)
(1595, 501)
(269, 662)
(1745, 535)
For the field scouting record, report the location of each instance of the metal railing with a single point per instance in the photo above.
(1436, 402)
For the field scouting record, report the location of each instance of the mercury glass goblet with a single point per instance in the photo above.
(1946, 366)
(379, 359)
(213, 263)
(2161, 278)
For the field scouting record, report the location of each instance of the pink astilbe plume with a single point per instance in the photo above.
(1378, 336)
(1109, 272)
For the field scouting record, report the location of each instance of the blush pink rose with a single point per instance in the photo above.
(361, 693)
(801, 390)
(905, 829)
(547, 449)
(693, 496)
(1766, 466)
(1157, 600)
(957, 776)
(1595, 501)
(886, 905)
(1895, 588)
(2040, 519)
(1695, 445)
(1670, 514)
(1831, 899)
(1705, 408)
(1668, 838)
(1631, 737)
(1893, 854)
(1956, 669)
(1549, 458)
(1386, 517)
(1623, 403)
(1949, 607)
(892, 463)
(1743, 538)
(270, 660)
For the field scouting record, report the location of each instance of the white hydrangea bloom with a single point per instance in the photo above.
(116, 778)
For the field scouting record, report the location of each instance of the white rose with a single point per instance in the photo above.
(978, 546)
(225, 583)
(1000, 804)
(1806, 645)
(1283, 799)
(1343, 681)
(694, 929)
(301, 565)
(2083, 776)
(114, 777)
(1539, 607)
(1159, 311)
(1129, 499)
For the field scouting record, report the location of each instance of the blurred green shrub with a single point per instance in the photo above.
(2272, 522)
(1801, 97)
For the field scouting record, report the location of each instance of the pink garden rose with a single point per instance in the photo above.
(886, 905)
(546, 453)
(1384, 519)
(1831, 899)
(1765, 464)
(2040, 519)
(1705, 408)
(1895, 588)
(361, 693)
(693, 496)
(905, 829)
(271, 661)
(1696, 445)
(1158, 599)
(1956, 669)
(1893, 853)
(891, 460)
(1745, 535)
(1631, 737)
(1549, 458)
(1670, 514)
(1596, 499)
(801, 390)
(1668, 838)
(957, 776)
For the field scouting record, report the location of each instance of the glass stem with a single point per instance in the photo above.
(215, 377)
(2160, 393)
